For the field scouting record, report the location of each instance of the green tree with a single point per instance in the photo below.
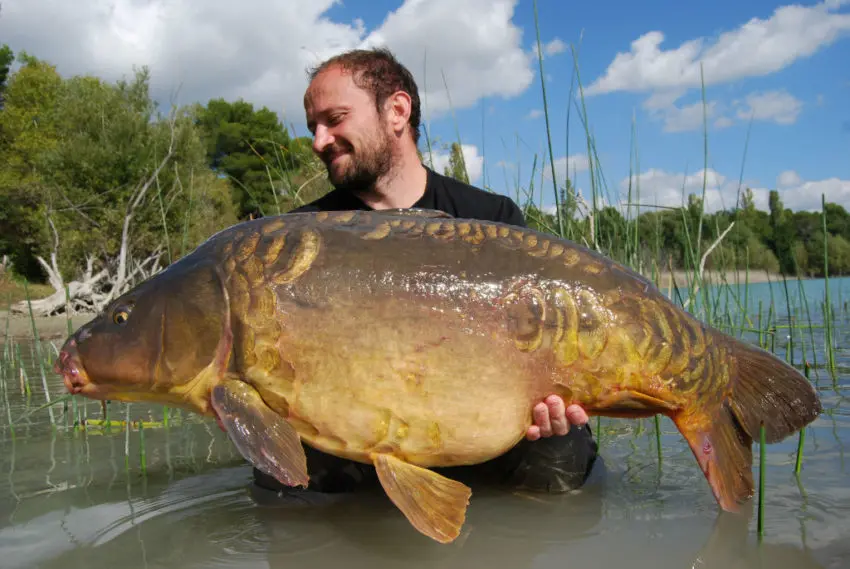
(456, 167)
(78, 158)
(783, 233)
(247, 145)
(7, 57)
(27, 134)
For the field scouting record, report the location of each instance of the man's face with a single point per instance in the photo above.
(349, 135)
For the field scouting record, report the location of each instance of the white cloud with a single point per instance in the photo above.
(474, 162)
(807, 195)
(777, 106)
(479, 49)
(576, 163)
(534, 114)
(658, 187)
(260, 49)
(758, 47)
(687, 118)
(554, 47)
(788, 178)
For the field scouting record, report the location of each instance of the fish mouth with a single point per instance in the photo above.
(73, 373)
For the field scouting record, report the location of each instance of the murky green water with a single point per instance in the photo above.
(80, 498)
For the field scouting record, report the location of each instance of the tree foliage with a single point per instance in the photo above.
(72, 154)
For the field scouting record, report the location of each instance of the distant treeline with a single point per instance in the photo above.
(80, 156)
(779, 240)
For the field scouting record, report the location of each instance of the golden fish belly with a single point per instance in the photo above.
(434, 386)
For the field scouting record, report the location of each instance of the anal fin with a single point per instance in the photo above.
(724, 452)
(262, 436)
(433, 504)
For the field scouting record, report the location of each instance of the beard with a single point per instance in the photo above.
(364, 167)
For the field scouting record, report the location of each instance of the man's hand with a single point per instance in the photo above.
(551, 418)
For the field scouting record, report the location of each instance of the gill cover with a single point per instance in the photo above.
(159, 335)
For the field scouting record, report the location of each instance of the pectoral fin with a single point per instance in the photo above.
(434, 505)
(262, 436)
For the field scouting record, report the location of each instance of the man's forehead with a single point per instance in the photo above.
(330, 81)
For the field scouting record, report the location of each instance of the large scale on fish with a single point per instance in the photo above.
(371, 335)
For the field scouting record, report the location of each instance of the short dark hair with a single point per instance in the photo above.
(379, 72)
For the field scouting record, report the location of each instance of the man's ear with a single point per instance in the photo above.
(398, 107)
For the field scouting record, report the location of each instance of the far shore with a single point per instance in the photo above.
(56, 327)
(719, 277)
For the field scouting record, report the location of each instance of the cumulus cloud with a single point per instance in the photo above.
(758, 47)
(788, 179)
(474, 161)
(260, 49)
(723, 122)
(798, 194)
(575, 163)
(658, 187)
(554, 47)
(776, 106)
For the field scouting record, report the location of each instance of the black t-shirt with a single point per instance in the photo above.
(441, 193)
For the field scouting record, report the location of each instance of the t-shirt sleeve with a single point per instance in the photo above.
(510, 213)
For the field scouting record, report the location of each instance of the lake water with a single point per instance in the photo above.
(80, 498)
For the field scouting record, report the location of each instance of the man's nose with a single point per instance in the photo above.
(321, 139)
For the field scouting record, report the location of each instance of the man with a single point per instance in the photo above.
(363, 111)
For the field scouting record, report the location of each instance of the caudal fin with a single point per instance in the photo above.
(762, 390)
(767, 390)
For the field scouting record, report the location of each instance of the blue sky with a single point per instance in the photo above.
(785, 65)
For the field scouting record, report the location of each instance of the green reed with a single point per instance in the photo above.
(798, 464)
(830, 355)
(39, 355)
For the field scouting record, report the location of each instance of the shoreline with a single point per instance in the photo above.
(753, 276)
(56, 327)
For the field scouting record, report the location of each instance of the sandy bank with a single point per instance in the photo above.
(721, 277)
(49, 328)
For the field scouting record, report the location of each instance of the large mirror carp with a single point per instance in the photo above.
(411, 339)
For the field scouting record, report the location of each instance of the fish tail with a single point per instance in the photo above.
(762, 390)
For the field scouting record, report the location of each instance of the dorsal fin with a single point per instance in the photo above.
(415, 212)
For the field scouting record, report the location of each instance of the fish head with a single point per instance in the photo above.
(157, 342)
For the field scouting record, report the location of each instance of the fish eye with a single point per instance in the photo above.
(122, 314)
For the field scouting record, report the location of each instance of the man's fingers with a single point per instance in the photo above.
(557, 415)
(541, 419)
(533, 433)
(577, 415)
